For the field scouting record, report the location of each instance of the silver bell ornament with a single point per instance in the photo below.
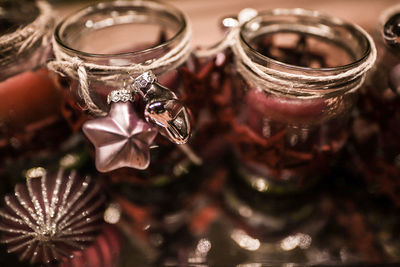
(163, 108)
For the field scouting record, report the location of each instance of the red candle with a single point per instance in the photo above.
(286, 109)
(287, 138)
(27, 97)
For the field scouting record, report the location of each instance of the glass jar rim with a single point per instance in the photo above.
(384, 17)
(171, 10)
(299, 12)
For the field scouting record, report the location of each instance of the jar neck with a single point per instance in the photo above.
(275, 75)
(82, 34)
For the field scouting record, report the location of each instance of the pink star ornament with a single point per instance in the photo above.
(121, 139)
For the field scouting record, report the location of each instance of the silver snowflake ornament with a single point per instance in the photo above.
(49, 218)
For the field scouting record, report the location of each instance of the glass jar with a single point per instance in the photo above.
(31, 125)
(301, 71)
(296, 76)
(158, 29)
(119, 34)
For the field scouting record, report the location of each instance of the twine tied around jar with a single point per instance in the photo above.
(75, 67)
(19, 42)
(306, 85)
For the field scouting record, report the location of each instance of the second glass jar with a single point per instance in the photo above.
(299, 76)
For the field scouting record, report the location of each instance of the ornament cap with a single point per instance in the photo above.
(122, 95)
(143, 82)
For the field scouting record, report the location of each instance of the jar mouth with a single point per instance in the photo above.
(387, 21)
(326, 27)
(118, 13)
